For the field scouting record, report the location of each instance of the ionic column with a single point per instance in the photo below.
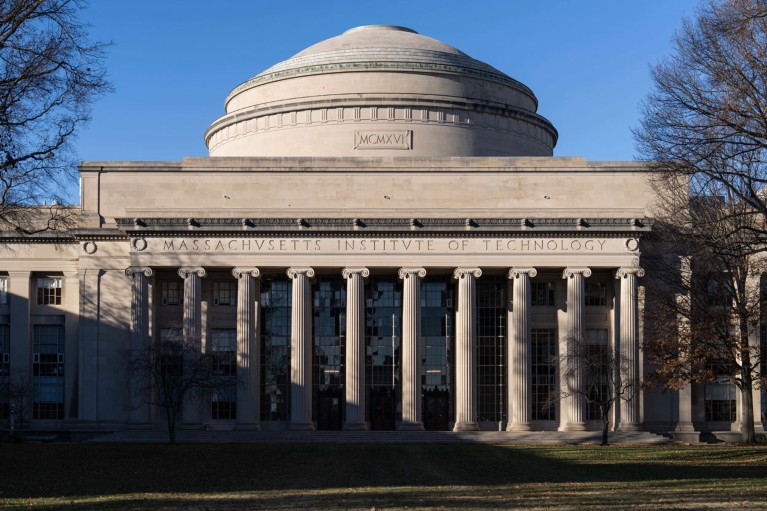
(520, 351)
(465, 350)
(192, 329)
(192, 321)
(355, 348)
(139, 327)
(20, 299)
(411, 340)
(573, 403)
(684, 430)
(629, 346)
(248, 349)
(301, 350)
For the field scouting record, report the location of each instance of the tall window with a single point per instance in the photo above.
(720, 400)
(597, 380)
(275, 349)
(383, 370)
(596, 293)
(224, 292)
(223, 344)
(438, 338)
(329, 336)
(5, 370)
(48, 372)
(171, 292)
(544, 372)
(492, 317)
(49, 291)
(542, 294)
(3, 290)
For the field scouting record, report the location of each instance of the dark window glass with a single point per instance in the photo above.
(544, 372)
(275, 348)
(438, 340)
(542, 294)
(329, 336)
(223, 344)
(383, 359)
(596, 293)
(49, 291)
(492, 318)
(48, 372)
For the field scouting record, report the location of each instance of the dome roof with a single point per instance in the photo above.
(388, 82)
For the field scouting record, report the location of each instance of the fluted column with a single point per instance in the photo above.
(192, 321)
(355, 348)
(301, 350)
(248, 349)
(139, 391)
(629, 347)
(520, 351)
(573, 403)
(465, 350)
(192, 328)
(411, 340)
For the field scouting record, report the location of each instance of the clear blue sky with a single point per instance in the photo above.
(174, 61)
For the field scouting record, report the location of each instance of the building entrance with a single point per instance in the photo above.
(329, 408)
(436, 410)
(381, 407)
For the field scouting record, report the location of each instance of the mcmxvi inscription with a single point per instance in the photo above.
(400, 139)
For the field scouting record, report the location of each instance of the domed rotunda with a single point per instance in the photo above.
(381, 90)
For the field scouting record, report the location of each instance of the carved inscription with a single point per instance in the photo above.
(400, 139)
(388, 245)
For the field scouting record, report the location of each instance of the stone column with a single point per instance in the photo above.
(19, 300)
(89, 363)
(629, 347)
(411, 340)
(301, 350)
(248, 348)
(573, 403)
(465, 350)
(140, 342)
(355, 348)
(71, 303)
(192, 329)
(684, 430)
(520, 351)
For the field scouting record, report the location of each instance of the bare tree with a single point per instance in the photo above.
(50, 73)
(18, 392)
(593, 373)
(173, 373)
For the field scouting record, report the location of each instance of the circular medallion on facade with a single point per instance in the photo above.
(90, 247)
(139, 244)
(632, 244)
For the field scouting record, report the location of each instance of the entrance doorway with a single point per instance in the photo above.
(329, 407)
(381, 406)
(436, 410)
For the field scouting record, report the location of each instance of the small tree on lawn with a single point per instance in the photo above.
(18, 392)
(593, 373)
(174, 372)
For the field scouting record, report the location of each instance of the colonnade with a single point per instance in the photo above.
(519, 375)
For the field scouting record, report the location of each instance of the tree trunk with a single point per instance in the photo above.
(747, 434)
(605, 424)
(171, 427)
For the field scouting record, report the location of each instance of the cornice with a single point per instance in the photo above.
(360, 227)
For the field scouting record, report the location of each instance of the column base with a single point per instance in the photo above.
(573, 426)
(355, 426)
(630, 427)
(410, 426)
(689, 437)
(466, 426)
(684, 427)
(519, 426)
(301, 426)
(247, 426)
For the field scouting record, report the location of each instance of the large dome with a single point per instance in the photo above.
(381, 90)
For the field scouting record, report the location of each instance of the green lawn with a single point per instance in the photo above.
(243, 476)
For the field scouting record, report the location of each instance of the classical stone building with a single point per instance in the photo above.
(380, 238)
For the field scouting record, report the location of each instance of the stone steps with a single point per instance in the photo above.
(383, 437)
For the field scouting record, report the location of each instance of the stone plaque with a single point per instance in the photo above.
(383, 139)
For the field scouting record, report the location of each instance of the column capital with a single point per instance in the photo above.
(624, 272)
(570, 272)
(238, 273)
(407, 272)
(294, 272)
(460, 273)
(186, 271)
(514, 273)
(132, 271)
(348, 272)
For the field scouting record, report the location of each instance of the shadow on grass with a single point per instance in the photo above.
(231, 476)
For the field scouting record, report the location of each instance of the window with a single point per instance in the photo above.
(3, 290)
(224, 293)
(171, 293)
(542, 294)
(596, 294)
(720, 394)
(275, 349)
(5, 370)
(329, 353)
(492, 317)
(223, 345)
(544, 372)
(48, 372)
(597, 365)
(49, 291)
(719, 291)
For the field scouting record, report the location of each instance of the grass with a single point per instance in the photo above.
(251, 476)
